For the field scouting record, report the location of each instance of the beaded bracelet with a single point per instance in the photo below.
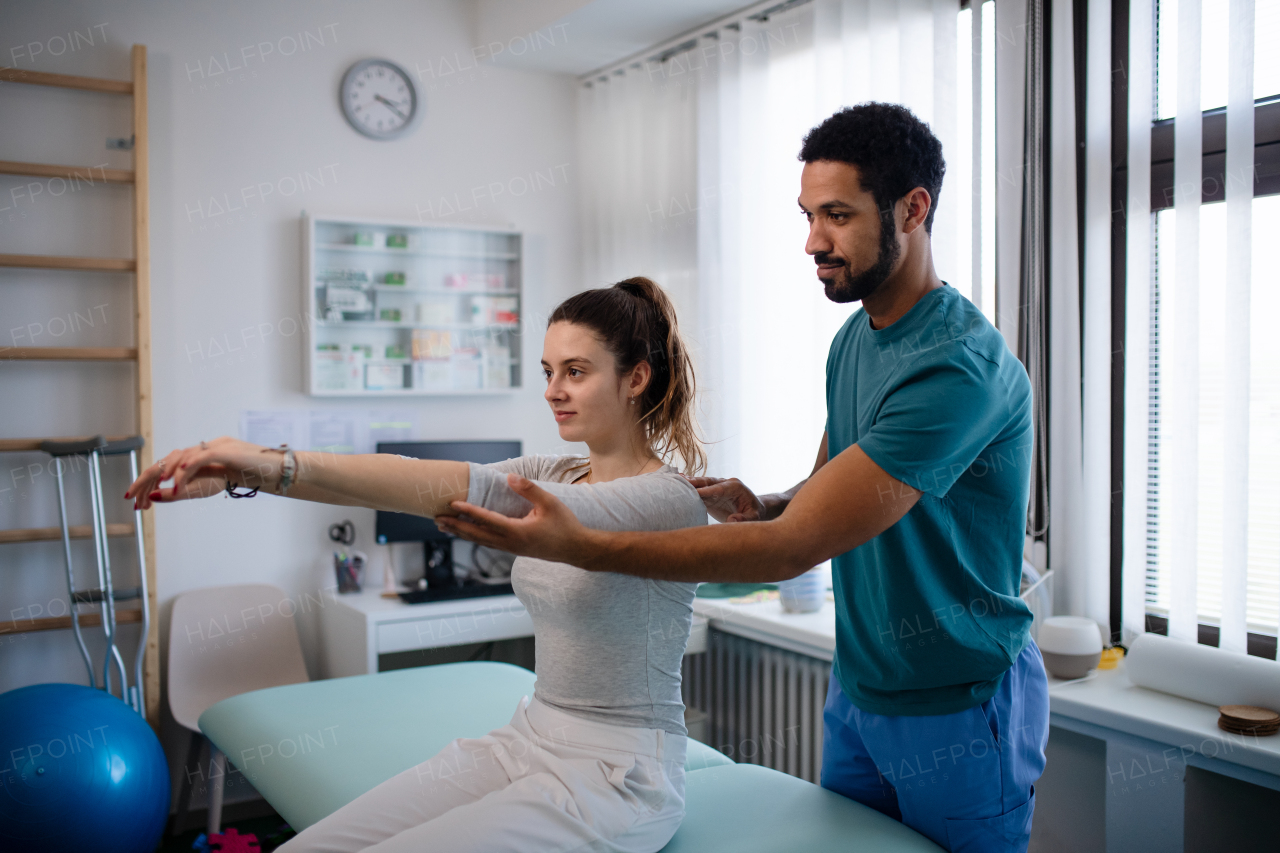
(233, 493)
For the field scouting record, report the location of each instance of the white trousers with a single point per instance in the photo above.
(546, 781)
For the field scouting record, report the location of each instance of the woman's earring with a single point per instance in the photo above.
(633, 401)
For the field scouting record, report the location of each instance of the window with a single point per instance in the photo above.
(1262, 610)
(1195, 327)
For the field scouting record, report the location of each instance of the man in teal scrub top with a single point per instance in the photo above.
(937, 710)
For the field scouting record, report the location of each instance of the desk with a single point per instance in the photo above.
(357, 627)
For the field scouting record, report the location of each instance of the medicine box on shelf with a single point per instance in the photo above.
(411, 308)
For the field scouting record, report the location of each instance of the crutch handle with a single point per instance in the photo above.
(124, 445)
(94, 596)
(83, 447)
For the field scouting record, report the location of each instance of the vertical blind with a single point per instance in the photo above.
(1095, 441)
(1139, 311)
(1202, 367)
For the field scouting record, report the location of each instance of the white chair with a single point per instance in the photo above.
(224, 641)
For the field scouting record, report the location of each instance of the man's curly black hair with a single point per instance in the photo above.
(895, 152)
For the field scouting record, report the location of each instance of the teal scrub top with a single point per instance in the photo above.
(928, 617)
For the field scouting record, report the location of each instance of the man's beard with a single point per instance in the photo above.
(843, 287)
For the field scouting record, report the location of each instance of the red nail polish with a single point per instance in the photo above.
(154, 496)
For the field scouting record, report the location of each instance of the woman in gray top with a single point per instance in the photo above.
(595, 760)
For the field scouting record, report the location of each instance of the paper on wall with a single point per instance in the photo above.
(388, 426)
(330, 430)
(274, 428)
(333, 431)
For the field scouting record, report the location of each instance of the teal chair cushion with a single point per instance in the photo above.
(311, 748)
(745, 808)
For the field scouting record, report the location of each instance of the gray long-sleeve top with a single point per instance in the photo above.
(609, 646)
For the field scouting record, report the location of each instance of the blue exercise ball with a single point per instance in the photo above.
(79, 771)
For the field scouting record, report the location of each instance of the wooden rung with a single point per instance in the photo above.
(66, 81)
(16, 445)
(68, 353)
(56, 623)
(65, 262)
(88, 174)
(54, 534)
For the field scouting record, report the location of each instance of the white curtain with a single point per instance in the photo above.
(1080, 319)
(1067, 554)
(765, 322)
(691, 176)
(638, 145)
(1010, 45)
(766, 325)
(1091, 587)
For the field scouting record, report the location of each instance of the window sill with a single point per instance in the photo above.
(1109, 702)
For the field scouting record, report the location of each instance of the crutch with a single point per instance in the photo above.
(132, 446)
(104, 594)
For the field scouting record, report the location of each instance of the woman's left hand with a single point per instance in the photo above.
(203, 470)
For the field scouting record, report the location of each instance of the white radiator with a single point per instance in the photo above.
(763, 704)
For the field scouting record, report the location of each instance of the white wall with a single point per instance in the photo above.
(214, 275)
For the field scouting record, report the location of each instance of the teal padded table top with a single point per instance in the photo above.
(311, 748)
(744, 808)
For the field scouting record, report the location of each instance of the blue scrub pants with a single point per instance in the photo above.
(963, 780)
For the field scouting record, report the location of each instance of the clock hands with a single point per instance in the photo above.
(391, 106)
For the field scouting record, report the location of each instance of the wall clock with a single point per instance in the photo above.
(378, 98)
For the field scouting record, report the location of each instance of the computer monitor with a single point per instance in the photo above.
(437, 545)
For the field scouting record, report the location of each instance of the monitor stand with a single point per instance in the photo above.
(438, 560)
(442, 585)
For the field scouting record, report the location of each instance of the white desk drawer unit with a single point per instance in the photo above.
(490, 620)
(359, 627)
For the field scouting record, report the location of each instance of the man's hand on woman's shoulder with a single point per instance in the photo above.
(728, 500)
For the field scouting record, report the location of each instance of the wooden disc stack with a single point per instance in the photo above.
(1248, 720)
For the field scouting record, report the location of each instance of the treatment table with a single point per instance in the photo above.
(311, 748)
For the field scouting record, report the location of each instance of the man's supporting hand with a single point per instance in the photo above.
(549, 532)
(728, 500)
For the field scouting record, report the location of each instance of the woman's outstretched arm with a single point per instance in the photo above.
(377, 480)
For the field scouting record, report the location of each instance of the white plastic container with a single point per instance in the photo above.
(1070, 645)
(805, 593)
